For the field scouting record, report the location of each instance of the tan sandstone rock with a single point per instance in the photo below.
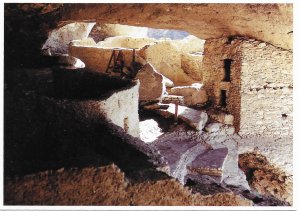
(193, 95)
(151, 84)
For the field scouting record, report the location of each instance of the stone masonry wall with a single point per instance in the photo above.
(215, 52)
(266, 90)
(259, 94)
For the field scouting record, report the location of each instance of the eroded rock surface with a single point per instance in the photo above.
(268, 22)
(60, 38)
(193, 95)
(151, 84)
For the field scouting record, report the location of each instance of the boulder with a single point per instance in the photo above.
(213, 127)
(67, 60)
(60, 38)
(193, 94)
(151, 84)
(168, 83)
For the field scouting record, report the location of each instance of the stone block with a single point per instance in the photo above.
(151, 84)
(213, 127)
(209, 163)
(193, 94)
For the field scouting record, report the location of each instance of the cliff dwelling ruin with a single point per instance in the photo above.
(148, 104)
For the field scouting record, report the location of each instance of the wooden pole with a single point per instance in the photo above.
(176, 112)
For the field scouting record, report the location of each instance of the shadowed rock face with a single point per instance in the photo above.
(26, 26)
(268, 22)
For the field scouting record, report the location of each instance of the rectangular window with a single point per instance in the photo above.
(227, 69)
(223, 102)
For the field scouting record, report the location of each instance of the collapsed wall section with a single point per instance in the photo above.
(266, 90)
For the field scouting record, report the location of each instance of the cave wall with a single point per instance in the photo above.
(59, 39)
(27, 26)
(268, 22)
(103, 31)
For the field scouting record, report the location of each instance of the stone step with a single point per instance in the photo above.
(195, 118)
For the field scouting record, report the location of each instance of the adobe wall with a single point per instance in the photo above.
(266, 90)
(215, 51)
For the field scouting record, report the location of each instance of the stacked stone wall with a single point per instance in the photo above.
(259, 93)
(215, 52)
(266, 90)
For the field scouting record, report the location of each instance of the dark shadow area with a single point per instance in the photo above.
(42, 133)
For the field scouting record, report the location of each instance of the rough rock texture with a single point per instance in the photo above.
(221, 116)
(209, 163)
(278, 151)
(103, 31)
(70, 61)
(259, 89)
(166, 59)
(105, 185)
(120, 107)
(266, 179)
(193, 95)
(60, 38)
(97, 58)
(151, 84)
(84, 42)
(268, 22)
(126, 42)
(192, 65)
(190, 44)
(26, 28)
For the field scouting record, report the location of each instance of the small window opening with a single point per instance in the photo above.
(227, 68)
(223, 102)
(284, 116)
(230, 39)
(126, 124)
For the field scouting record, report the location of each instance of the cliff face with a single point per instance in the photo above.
(267, 22)
(27, 26)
